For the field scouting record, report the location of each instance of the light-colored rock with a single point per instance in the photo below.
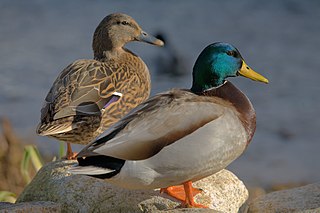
(222, 192)
(301, 199)
(26, 207)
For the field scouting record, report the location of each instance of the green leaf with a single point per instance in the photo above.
(24, 166)
(6, 196)
(30, 154)
(62, 150)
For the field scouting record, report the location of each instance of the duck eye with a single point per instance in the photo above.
(125, 23)
(232, 53)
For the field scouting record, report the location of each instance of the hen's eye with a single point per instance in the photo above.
(125, 23)
(122, 22)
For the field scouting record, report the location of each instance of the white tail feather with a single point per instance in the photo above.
(89, 170)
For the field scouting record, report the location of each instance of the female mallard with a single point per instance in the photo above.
(181, 135)
(90, 95)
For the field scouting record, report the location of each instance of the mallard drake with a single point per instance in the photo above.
(179, 136)
(90, 95)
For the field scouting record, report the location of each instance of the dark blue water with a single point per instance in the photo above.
(279, 39)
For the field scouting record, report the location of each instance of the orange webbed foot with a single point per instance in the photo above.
(185, 194)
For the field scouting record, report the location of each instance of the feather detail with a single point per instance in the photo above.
(155, 124)
(89, 170)
(98, 166)
(90, 95)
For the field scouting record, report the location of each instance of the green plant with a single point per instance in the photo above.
(62, 151)
(6, 196)
(30, 154)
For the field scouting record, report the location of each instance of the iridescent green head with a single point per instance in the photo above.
(217, 62)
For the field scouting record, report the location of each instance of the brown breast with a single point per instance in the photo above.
(240, 101)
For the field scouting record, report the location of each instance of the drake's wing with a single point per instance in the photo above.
(154, 124)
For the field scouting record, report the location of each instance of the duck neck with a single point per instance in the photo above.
(104, 47)
(109, 54)
(204, 77)
(100, 46)
(103, 50)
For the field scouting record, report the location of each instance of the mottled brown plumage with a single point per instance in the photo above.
(90, 95)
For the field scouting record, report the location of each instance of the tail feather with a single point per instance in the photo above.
(98, 166)
(89, 170)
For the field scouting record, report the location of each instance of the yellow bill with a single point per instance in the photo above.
(247, 72)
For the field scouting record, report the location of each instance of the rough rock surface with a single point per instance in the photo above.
(222, 192)
(301, 199)
(36, 206)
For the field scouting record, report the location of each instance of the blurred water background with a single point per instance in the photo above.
(279, 39)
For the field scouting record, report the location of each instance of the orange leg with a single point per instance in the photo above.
(189, 202)
(70, 155)
(185, 194)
